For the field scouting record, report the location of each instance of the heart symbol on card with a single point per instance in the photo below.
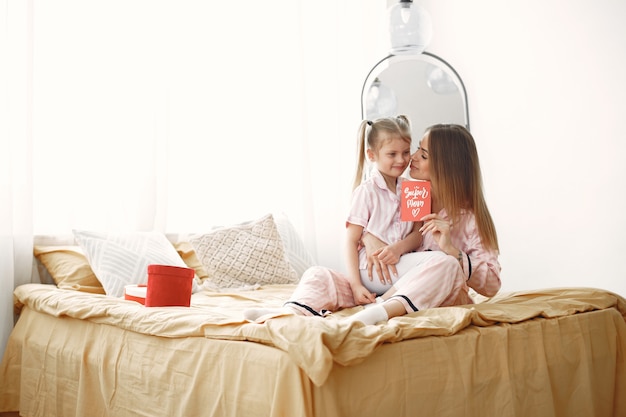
(415, 212)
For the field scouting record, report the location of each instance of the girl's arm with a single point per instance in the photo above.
(392, 253)
(353, 238)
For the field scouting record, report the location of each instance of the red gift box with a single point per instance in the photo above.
(169, 286)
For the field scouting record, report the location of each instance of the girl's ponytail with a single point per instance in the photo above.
(360, 149)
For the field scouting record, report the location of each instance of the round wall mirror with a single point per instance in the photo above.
(423, 87)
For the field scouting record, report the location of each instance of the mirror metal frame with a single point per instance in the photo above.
(430, 58)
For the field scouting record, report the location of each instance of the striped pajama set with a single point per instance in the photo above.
(426, 278)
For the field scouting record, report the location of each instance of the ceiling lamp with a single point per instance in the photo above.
(410, 28)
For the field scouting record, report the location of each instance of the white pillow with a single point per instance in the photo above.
(245, 254)
(122, 259)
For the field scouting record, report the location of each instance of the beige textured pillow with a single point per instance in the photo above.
(186, 251)
(245, 254)
(69, 268)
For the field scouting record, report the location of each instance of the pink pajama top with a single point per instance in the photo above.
(377, 210)
(480, 266)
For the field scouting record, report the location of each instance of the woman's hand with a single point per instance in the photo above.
(374, 247)
(440, 229)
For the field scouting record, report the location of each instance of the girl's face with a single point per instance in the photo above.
(420, 164)
(393, 156)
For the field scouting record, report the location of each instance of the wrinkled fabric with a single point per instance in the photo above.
(314, 343)
(523, 353)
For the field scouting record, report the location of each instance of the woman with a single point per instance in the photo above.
(459, 249)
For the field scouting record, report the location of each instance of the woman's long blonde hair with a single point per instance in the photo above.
(371, 130)
(456, 177)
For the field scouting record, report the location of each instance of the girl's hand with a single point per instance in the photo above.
(362, 295)
(384, 260)
(388, 255)
(440, 229)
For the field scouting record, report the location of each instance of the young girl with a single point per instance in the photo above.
(459, 249)
(375, 206)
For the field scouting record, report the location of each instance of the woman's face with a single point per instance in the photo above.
(420, 165)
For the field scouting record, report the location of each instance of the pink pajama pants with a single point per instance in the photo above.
(425, 280)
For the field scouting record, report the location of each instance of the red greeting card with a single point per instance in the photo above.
(414, 200)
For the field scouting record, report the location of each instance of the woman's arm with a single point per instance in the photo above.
(392, 253)
(383, 257)
(481, 266)
(462, 240)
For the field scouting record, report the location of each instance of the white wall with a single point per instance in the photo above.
(547, 95)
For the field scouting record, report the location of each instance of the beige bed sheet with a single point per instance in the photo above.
(557, 352)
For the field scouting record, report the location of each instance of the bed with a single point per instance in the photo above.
(549, 352)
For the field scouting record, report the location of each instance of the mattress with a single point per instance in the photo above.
(551, 352)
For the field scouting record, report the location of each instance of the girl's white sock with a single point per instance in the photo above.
(371, 315)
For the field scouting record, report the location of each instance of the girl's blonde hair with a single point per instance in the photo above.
(370, 132)
(456, 177)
